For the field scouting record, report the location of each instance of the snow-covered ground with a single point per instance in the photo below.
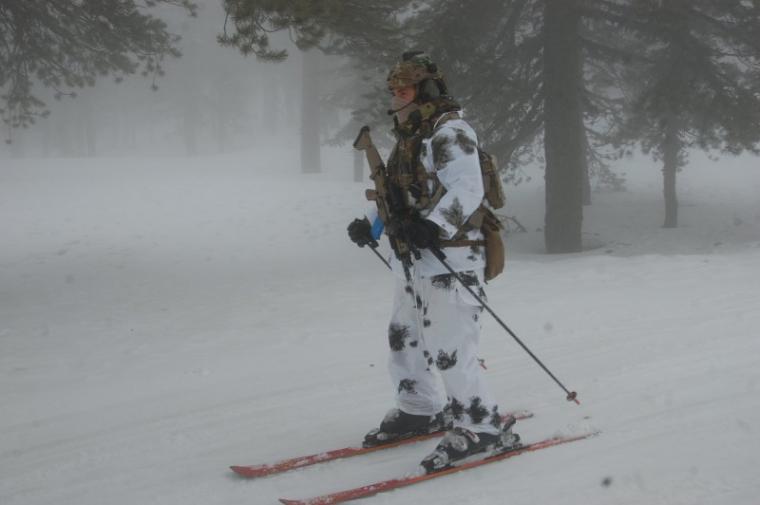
(164, 318)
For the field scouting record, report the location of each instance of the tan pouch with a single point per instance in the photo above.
(495, 252)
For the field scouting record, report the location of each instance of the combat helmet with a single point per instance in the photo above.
(417, 69)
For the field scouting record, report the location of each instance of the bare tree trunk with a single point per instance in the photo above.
(670, 152)
(563, 141)
(270, 104)
(310, 114)
(586, 178)
(64, 134)
(78, 125)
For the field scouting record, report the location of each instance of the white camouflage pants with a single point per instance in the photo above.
(434, 331)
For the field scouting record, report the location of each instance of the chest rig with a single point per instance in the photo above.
(406, 171)
(410, 180)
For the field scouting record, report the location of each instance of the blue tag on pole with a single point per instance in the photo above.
(377, 228)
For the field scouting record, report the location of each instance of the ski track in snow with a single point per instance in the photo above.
(162, 319)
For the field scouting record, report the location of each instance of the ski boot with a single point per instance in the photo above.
(398, 425)
(461, 446)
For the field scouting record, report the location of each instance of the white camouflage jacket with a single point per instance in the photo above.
(451, 153)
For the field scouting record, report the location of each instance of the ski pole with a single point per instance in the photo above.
(374, 250)
(572, 396)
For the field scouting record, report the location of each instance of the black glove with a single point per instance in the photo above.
(360, 232)
(423, 233)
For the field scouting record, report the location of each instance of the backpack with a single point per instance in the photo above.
(492, 187)
(484, 218)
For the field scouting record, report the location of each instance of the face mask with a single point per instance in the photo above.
(402, 108)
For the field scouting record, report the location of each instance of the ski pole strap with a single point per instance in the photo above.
(462, 243)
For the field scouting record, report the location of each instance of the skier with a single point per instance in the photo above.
(435, 323)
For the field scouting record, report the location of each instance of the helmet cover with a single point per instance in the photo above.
(414, 68)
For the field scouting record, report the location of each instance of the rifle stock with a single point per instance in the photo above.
(389, 211)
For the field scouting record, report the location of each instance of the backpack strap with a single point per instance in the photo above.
(446, 116)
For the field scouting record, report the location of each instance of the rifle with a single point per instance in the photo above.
(391, 206)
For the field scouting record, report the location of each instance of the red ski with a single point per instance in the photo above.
(346, 452)
(388, 485)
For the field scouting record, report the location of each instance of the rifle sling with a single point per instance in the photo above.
(462, 243)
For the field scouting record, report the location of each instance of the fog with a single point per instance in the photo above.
(212, 100)
(178, 294)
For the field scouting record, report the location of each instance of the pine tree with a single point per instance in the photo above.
(522, 71)
(348, 27)
(354, 28)
(698, 85)
(519, 67)
(68, 45)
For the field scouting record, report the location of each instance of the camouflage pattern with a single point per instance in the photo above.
(412, 72)
(437, 171)
(434, 330)
(435, 326)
